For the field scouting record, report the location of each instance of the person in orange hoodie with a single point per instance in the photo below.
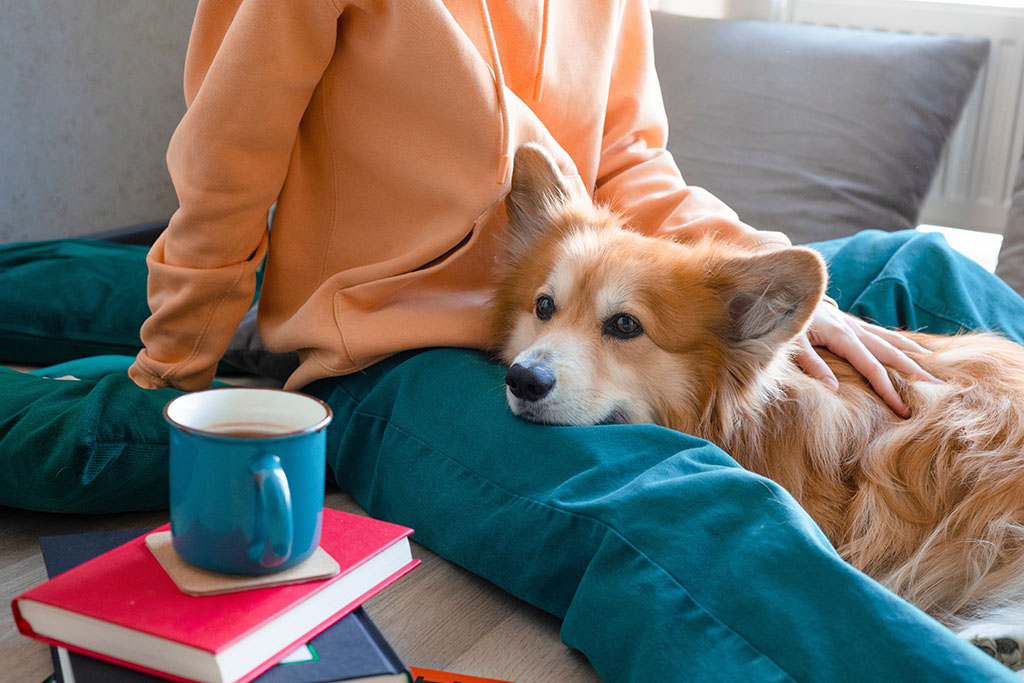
(384, 132)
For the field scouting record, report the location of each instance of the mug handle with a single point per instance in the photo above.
(274, 512)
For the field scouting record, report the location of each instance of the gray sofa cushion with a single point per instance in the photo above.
(1011, 254)
(818, 132)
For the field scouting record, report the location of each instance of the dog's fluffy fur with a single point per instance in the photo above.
(931, 506)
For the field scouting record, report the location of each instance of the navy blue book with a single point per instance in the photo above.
(351, 651)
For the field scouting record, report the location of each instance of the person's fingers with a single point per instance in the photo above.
(871, 350)
(853, 349)
(892, 356)
(901, 342)
(812, 364)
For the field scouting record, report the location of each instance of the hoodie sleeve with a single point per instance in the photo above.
(637, 174)
(250, 71)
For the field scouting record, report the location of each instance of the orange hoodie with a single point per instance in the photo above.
(384, 130)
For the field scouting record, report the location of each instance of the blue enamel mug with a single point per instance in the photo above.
(247, 478)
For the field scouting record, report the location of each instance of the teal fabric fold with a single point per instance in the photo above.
(916, 281)
(666, 560)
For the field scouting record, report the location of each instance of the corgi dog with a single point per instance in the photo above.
(600, 324)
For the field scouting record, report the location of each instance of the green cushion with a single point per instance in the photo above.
(91, 446)
(70, 298)
(77, 298)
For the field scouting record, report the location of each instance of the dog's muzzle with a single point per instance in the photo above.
(529, 382)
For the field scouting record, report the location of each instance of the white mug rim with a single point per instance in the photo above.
(199, 431)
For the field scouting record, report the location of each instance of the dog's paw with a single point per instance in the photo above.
(1004, 643)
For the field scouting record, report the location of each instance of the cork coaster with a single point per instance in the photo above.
(200, 582)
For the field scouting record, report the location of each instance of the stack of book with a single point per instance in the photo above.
(112, 614)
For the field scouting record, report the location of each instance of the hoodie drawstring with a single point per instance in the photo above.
(499, 86)
(538, 81)
(499, 80)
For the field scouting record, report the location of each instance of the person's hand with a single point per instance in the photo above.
(870, 349)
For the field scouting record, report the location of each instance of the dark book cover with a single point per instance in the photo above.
(351, 650)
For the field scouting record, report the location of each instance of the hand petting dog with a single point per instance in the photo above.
(870, 349)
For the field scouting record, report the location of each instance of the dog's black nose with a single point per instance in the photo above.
(529, 383)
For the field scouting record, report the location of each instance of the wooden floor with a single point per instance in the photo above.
(438, 617)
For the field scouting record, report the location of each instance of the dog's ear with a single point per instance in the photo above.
(537, 193)
(769, 296)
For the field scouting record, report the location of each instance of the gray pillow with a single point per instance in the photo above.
(1010, 266)
(817, 132)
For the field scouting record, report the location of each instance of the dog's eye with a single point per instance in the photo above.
(545, 307)
(623, 326)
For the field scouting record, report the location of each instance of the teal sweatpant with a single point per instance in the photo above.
(664, 558)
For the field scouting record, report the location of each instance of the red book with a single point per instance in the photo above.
(122, 607)
(421, 675)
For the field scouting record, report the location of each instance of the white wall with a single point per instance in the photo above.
(721, 9)
(90, 92)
